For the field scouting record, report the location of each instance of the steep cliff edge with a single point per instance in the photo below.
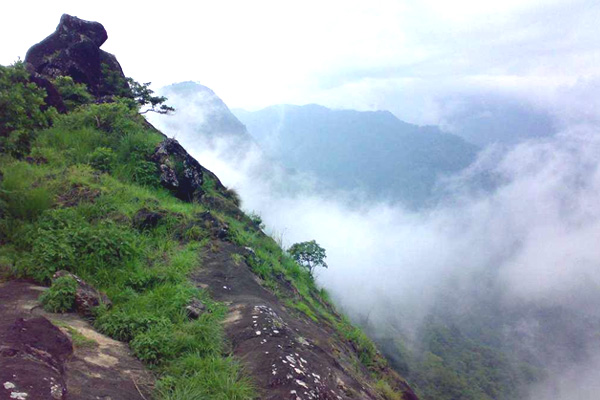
(211, 305)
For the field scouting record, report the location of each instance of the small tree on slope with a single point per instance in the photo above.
(309, 255)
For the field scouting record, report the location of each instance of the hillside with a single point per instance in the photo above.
(349, 149)
(142, 245)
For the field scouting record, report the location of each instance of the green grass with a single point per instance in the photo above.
(79, 340)
(76, 213)
(60, 297)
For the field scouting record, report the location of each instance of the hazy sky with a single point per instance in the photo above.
(406, 56)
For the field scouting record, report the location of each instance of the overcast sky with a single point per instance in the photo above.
(407, 56)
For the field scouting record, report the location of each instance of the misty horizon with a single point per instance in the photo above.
(445, 154)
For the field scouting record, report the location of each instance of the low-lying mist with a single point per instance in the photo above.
(523, 245)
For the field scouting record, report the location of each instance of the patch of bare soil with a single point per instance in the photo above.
(60, 356)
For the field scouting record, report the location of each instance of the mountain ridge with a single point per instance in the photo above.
(210, 304)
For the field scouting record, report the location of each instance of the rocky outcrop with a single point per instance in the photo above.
(74, 50)
(179, 172)
(147, 219)
(86, 298)
(39, 360)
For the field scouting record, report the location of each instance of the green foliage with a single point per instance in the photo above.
(129, 88)
(234, 196)
(61, 295)
(145, 97)
(145, 273)
(115, 118)
(63, 239)
(367, 352)
(386, 391)
(73, 94)
(21, 110)
(451, 366)
(308, 254)
(256, 220)
(22, 192)
(210, 378)
(102, 159)
(125, 325)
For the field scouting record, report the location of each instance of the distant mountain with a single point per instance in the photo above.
(201, 111)
(489, 119)
(351, 149)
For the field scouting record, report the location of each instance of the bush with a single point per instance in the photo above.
(21, 110)
(256, 219)
(112, 118)
(102, 159)
(155, 345)
(73, 94)
(21, 194)
(61, 295)
(124, 326)
(234, 196)
(62, 239)
(193, 377)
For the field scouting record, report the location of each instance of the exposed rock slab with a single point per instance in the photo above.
(288, 357)
(38, 360)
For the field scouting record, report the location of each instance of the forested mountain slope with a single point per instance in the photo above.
(374, 151)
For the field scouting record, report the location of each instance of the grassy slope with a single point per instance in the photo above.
(72, 206)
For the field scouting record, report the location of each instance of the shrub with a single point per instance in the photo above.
(21, 194)
(21, 110)
(155, 345)
(112, 118)
(102, 159)
(194, 377)
(62, 239)
(124, 326)
(234, 196)
(61, 295)
(256, 219)
(73, 94)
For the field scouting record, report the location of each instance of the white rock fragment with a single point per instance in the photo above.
(258, 333)
(9, 385)
(301, 383)
(18, 395)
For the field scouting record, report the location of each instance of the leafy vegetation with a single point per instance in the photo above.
(75, 210)
(73, 94)
(308, 254)
(22, 110)
(61, 295)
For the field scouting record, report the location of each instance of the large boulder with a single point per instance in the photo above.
(74, 50)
